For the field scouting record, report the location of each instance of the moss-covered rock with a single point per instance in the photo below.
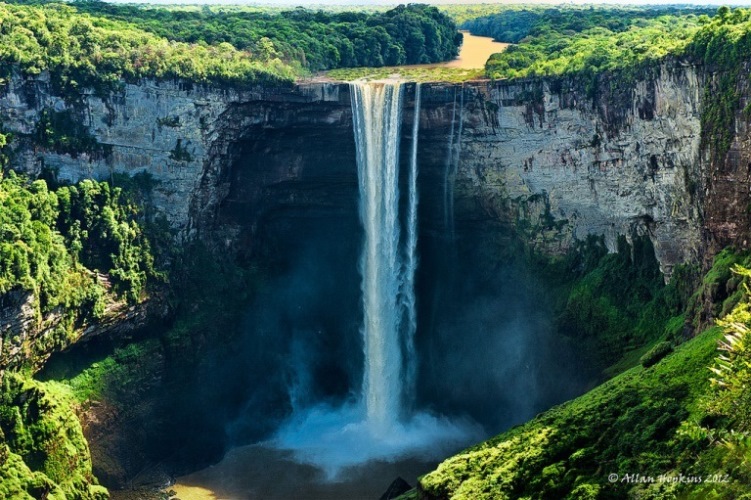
(655, 354)
(43, 453)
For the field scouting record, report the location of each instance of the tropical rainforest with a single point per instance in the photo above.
(181, 226)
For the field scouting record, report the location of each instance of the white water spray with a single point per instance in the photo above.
(377, 427)
(448, 218)
(377, 122)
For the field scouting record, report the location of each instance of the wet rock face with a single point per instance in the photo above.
(562, 166)
(727, 180)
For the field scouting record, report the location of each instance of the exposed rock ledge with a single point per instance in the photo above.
(540, 154)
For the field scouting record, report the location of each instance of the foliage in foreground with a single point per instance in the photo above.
(43, 453)
(626, 426)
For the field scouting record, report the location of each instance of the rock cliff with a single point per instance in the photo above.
(555, 159)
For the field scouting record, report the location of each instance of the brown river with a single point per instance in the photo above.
(473, 54)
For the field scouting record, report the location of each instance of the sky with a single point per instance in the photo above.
(311, 3)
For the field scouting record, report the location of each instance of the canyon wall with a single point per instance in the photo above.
(556, 159)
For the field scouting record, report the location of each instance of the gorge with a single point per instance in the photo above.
(271, 177)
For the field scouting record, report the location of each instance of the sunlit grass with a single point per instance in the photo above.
(449, 75)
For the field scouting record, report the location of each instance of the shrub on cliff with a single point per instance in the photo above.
(654, 355)
(62, 246)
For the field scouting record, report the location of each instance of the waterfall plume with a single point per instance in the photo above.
(376, 112)
(452, 165)
(377, 426)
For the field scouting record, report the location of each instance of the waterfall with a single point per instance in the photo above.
(377, 427)
(448, 218)
(452, 166)
(376, 109)
(408, 294)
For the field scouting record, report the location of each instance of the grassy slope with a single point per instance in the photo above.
(650, 421)
(625, 426)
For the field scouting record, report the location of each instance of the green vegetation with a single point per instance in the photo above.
(660, 422)
(162, 384)
(315, 40)
(654, 355)
(96, 44)
(212, 292)
(628, 425)
(412, 74)
(81, 50)
(719, 291)
(55, 245)
(516, 23)
(721, 45)
(43, 453)
(670, 418)
(65, 133)
(615, 306)
(584, 41)
(118, 378)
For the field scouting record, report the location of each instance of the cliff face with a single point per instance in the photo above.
(553, 159)
(565, 167)
(26, 338)
(727, 178)
(540, 155)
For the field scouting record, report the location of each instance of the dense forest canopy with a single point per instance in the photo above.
(93, 43)
(558, 41)
(55, 241)
(317, 39)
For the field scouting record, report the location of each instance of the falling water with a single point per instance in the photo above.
(452, 165)
(408, 290)
(447, 218)
(377, 119)
(377, 427)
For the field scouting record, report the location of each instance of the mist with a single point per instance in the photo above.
(487, 354)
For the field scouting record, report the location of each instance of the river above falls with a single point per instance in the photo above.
(473, 54)
(469, 65)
